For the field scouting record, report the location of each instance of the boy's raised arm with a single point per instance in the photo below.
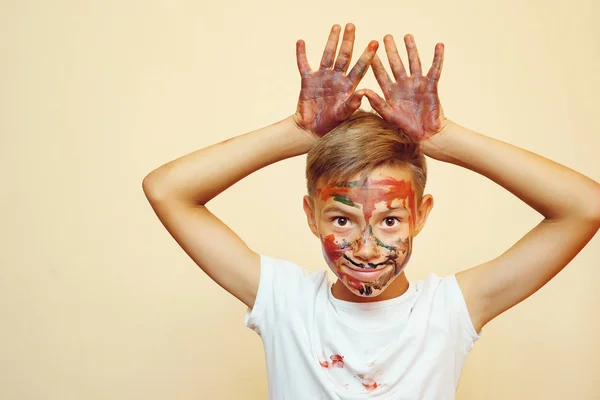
(568, 200)
(179, 190)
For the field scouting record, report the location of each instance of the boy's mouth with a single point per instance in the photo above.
(363, 274)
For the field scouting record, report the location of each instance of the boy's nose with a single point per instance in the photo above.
(368, 249)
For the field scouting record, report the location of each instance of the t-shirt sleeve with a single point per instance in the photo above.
(279, 287)
(461, 323)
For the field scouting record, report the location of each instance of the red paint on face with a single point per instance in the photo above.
(332, 250)
(370, 386)
(324, 364)
(352, 282)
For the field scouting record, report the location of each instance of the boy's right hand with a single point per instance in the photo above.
(327, 96)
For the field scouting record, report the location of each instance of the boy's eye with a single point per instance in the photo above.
(389, 221)
(342, 221)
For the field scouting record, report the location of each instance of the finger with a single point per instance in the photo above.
(414, 63)
(381, 75)
(394, 58)
(330, 47)
(438, 60)
(303, 65)
(378, 104)
(351, 105)
(343, 61)
(362, 65)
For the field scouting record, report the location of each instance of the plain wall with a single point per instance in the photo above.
(97, 301)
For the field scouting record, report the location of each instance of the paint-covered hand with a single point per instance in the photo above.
(411, 103)
(327, 95)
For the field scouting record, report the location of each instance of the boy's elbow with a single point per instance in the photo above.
(151, 188)
(593, 210)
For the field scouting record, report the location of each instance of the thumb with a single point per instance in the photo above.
(378, 104)
(352, 104)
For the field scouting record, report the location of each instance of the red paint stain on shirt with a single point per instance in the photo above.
(370, 386)
(337, 361)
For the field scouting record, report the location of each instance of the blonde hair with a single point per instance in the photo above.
(360, 144)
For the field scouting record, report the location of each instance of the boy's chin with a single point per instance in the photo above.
(365, 289)
(366, 293)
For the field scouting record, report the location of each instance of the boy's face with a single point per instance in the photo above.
(366, 232)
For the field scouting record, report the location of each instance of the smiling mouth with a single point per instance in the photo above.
(363, 274)
(365, 270)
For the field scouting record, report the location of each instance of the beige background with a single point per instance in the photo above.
(97, 301)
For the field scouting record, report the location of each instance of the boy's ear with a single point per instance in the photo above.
(423, 213)
(308, 206)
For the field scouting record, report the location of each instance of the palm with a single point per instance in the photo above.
(411, 103)
(415, 105)
(323, 94)
(327, 95)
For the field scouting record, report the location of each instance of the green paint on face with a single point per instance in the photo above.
(379, 242)
(345, 184)
(344, 200)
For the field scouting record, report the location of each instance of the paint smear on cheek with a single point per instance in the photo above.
(333, 253)
(403, 245)
(331, 249)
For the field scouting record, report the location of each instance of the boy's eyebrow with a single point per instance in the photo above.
(331, 209)
(335, 208)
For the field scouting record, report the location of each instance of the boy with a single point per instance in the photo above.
(371, 334)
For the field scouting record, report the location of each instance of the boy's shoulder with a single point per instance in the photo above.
(288, 274)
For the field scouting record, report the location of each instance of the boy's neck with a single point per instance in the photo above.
(396, 289)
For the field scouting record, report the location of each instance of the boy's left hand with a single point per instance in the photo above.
(411, 103)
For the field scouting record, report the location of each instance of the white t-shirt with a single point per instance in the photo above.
(319, 347)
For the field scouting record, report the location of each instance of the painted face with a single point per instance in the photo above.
(367, 231)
